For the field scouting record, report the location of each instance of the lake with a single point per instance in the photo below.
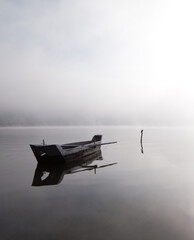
(148, 194)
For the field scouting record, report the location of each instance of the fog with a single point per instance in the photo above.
(96, 62)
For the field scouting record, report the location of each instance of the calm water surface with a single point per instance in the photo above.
(147, 195)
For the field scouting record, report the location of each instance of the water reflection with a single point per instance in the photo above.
(52, 173)
(146, 196)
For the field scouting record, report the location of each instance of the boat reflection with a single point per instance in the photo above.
(52, 173)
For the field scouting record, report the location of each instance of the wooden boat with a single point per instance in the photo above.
(67, 152)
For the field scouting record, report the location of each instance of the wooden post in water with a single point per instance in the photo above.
(141, 141)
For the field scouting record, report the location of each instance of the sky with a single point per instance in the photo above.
(96, 62)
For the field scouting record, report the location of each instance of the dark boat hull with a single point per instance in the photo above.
(66, 152)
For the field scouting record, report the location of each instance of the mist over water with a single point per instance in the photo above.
(101, 117)
(96, 62)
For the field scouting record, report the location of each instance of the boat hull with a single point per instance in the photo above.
(66, 152)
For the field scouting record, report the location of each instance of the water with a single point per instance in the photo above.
(147, 195)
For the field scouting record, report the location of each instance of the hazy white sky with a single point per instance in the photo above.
(128, 61)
